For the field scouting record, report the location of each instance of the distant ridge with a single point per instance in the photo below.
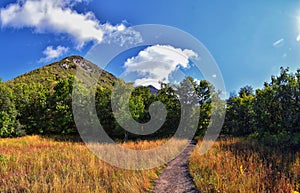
(153, 90)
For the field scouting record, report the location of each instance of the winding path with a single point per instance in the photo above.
(175, 178)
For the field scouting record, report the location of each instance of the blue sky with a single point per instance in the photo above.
(249, 40)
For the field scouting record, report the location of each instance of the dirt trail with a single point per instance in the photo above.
(175, 178)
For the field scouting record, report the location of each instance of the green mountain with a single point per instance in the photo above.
(42, 99)
(52, 73)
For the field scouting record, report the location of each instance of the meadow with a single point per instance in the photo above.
(41, 164)
(238, 165)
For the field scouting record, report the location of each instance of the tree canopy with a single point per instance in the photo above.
(271, 113)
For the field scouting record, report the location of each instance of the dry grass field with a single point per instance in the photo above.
(37, 164)
(234, 165)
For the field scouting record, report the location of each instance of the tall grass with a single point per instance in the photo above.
(234, 165)
(36, 164)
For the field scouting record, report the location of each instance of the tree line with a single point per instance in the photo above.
(271, 113)
(34, 108)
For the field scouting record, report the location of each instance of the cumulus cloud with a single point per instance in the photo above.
(156, 63)
(59, 17)
(53, 53)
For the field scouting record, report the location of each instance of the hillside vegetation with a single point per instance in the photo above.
(40, 102)
(50, 74)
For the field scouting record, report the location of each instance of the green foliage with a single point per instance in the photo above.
(30, 101)
(104, 111)
(272, 113)
(240, 113)
(278, 104)
(189, 92)
(206, 93)
(199, 95)
(9, 125)
(42, 100)
(168, 97)
(60, 108)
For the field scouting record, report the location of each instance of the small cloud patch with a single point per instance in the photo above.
(53, 53)
(278, 42)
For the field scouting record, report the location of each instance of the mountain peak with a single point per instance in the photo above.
(57, 71)
(79, 61)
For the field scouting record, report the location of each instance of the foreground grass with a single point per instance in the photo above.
(36, 164)
(234, 165)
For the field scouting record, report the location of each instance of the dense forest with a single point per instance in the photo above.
(40, 102)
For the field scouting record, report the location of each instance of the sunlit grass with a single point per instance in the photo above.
(36, 164)
(139, 155)
(233, 165)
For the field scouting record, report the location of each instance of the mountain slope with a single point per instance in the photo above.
(43, 97)
(57, 71)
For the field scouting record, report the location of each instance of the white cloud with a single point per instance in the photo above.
(156, 63)
(124, 36)
(59, 17)
(278, 42)
(53, 53)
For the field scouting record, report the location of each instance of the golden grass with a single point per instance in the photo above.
(234, 165)
(36, 164)
(128, 155)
